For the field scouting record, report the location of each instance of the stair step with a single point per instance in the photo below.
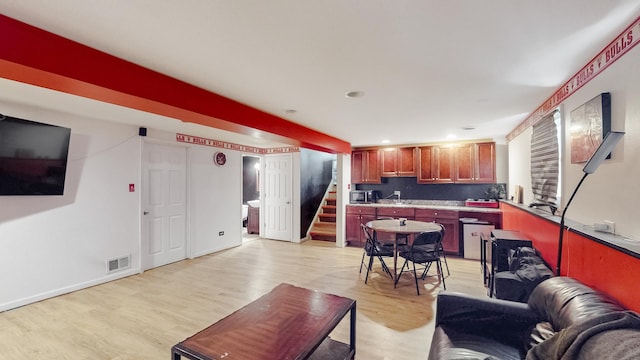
(331, 202)
(328, 209)
(327, 217)
(323, 235)
(324, 226)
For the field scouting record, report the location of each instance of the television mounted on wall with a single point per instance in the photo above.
(33, 157)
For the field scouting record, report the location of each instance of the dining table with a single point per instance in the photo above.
(403, 229)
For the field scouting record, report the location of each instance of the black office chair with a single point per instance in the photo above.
(424, 251)
(374, 249)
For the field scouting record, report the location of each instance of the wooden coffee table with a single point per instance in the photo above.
(287, 323)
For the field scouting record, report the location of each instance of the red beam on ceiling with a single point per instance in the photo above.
(37, 57)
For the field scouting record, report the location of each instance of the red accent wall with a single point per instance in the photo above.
(599, 266)
(37, 57)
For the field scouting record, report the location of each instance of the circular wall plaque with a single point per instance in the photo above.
(219, 158)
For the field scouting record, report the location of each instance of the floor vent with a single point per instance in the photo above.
(119, 263)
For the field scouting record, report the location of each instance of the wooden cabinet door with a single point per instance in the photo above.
(465, 163)
(357, 167)
(352, 232)
(398, 162)
(475, 163)
(425, 164)
(356, 215)
(365, 168)
(436, 164)
(451, 240)
(389, 162)
(406, 161)
(485, 162)
(372, 167)
(448, 219)
(445, 164)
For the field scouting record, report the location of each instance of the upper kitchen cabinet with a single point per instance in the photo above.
(475, 163)
(436, 164)
(399, 161)
(459, 163)
(365, 167)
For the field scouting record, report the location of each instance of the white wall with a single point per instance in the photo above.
(215, 199)
(51, 245)
(56, 244)
(612, 192)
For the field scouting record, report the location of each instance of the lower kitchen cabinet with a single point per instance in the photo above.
(354, 216)
(449, 219)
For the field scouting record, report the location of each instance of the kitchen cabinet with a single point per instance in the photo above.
(354, 216)
(459, 163)
(436, 164)
(475, 163)
(449, 219)
(399, 161)
(365, 167)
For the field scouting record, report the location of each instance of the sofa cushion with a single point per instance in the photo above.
(564, 301)
(613, 335)
(449, 344)
(539, 333)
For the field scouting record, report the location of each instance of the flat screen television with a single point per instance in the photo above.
(33, 157)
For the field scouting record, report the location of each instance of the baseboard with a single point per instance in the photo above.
(65, 290)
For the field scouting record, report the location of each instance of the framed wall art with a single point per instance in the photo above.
(590, 122)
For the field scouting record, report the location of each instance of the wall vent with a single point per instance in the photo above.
(119, 263)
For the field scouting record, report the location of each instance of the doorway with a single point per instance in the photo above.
(277, 210)
(250, 197)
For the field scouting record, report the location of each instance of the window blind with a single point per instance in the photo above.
(545, 160)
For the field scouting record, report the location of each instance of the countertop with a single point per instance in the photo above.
(430, 204)
(622, 243)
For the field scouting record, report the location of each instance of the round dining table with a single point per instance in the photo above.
(402, 228)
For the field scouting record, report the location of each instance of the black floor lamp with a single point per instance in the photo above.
(608, 144)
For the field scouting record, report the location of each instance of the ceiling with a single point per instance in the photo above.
(427, 69)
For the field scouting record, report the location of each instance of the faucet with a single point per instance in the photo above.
(397, 195)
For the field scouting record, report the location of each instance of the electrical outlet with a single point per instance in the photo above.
(611, 226)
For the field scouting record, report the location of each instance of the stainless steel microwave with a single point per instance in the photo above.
(363, 196)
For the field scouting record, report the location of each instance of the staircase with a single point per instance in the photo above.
(324, 227)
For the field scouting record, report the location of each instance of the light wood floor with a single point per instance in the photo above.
(142, 316)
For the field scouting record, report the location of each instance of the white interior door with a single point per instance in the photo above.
(278, 194)
(163, 204)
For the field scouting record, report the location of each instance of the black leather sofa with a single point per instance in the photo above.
(563, 319)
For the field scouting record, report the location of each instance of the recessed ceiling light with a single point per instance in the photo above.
(452, 136)
(468, 128)
(385, 141)
(290, 111)
(354, 94)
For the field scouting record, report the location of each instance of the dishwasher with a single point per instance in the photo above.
(471, 231)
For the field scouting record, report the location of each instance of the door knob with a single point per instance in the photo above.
(145, 213)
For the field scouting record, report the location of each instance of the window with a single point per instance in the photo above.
(545, 160)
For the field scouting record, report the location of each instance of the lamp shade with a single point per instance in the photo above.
(608, 144)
